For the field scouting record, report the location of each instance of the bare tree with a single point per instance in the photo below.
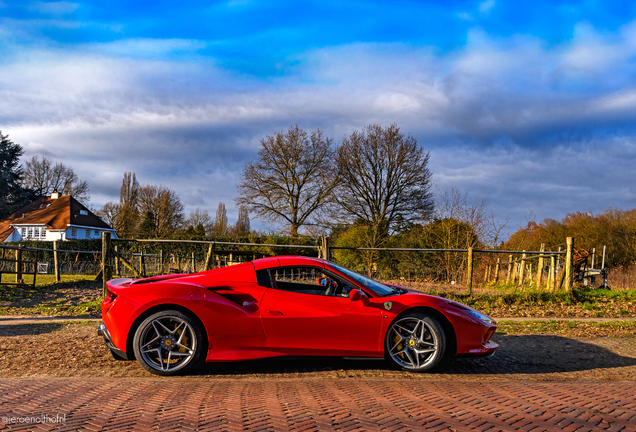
(456, 205)
(220, 227)
(161, 211)
(242, 226)
(128, 216)
(199, 222)
(292, 178)
(384, 180)
(45, 177)
(109, 213)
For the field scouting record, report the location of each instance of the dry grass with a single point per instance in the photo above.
(622, 278)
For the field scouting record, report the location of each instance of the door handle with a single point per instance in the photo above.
(275, 313)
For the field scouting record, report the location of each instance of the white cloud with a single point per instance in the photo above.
(500, 116)
(486, 6)
(54, 8)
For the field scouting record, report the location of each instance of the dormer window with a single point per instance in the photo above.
(84, 212)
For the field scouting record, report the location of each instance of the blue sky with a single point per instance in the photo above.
(531, 105)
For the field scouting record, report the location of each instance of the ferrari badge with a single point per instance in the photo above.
(388, 305)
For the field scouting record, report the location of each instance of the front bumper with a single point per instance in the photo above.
(488, 350)
(103, 331)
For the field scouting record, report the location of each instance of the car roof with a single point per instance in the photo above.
(287, 260)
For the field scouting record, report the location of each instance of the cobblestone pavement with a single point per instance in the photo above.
(368, 404)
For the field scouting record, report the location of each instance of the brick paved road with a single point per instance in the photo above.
(319, 404)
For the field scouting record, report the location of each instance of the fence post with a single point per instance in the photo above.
(497, 270)
(569, 275)
(56, 262)
(522, 270)
(487, 278)
(18, 266)
(325, 248)
(552, 276)
(469, 273)
(540, 269)
(160, 261)
(509, 269)
(208, 257)
(107, 271)
(117, 269)
(194, 263)
(142, 264)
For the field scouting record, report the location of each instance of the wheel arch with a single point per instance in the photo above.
(449, 331)
(157, 308)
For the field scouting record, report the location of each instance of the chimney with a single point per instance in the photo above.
(55, 195)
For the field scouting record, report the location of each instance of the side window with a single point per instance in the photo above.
(308, 280)
(263, 279)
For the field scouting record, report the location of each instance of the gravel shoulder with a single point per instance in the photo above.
(75, 350)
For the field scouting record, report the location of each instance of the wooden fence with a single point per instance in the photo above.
(516, 269)
(20, 266)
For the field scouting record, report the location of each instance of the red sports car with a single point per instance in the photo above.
(280, 306)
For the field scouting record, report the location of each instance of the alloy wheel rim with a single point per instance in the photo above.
(413, 343)
(167, 344)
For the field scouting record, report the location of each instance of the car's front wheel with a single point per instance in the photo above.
(168, 342)
(415, 342)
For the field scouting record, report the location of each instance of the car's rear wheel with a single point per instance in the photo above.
(168, 342)
(415, 342)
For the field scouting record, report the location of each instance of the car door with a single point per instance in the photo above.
(302, 313)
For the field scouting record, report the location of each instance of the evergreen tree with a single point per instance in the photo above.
(12, 195)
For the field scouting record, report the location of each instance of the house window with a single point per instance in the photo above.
(36, 232)
(88, 233)
(24, 232)
(42, 233)
(73, 232)
(30, 233)
(96, 232)
(83, 212)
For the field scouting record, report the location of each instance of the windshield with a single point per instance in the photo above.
(376, 287)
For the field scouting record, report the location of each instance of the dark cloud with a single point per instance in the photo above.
(538, 128)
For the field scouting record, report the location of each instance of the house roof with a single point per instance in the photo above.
(56, 214)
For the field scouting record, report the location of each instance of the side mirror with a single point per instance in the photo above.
(356, 294)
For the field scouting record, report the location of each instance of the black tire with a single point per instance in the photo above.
(415, 342)
(168, 343)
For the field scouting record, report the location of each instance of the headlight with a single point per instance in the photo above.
(480, 316)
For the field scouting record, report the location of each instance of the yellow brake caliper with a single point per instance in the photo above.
(184, 341)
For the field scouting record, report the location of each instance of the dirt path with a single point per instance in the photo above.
(75, 350)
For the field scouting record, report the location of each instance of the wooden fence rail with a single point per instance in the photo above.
(22, 266)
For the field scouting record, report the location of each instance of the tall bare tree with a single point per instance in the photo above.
(46, 177)
(384, 180)
(161, 211)
(292, 178)
(242, 226)
(220, 227)
(128, 216)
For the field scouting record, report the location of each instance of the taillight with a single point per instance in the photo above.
(108, 301)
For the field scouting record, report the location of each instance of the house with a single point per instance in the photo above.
(53, 218)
